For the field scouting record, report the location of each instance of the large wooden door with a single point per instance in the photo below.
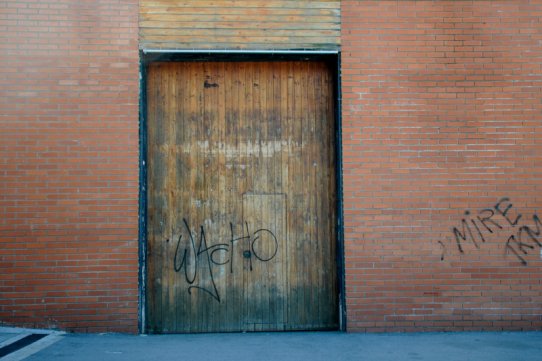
(241, 197)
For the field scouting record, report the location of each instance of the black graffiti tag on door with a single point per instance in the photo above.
(190, 253)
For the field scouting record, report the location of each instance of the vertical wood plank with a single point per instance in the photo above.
(238, 118)
(306, 194)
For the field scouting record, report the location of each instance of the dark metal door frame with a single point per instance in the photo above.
(149, 56)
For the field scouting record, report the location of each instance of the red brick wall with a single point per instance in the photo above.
(442, 116)
(442, 104)
(69, 164)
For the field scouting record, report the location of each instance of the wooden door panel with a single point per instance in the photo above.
(266, 283)
(241, 194)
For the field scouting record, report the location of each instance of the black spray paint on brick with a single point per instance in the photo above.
(475, 228)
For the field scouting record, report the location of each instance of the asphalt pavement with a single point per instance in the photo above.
(314, 346)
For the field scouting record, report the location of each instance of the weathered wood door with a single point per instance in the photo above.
(241, 197)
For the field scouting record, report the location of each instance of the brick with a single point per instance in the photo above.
(71, 89)
(441, 115)
(437, 121)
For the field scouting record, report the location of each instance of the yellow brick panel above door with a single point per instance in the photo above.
(251, 25)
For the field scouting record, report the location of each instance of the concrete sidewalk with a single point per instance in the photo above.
(314, 346)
